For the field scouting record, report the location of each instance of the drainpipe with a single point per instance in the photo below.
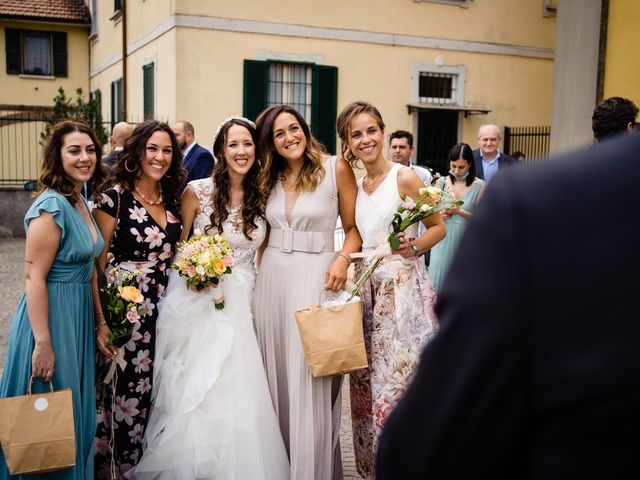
(124, 60)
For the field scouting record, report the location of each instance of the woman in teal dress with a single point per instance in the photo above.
(464, 185)
(52, 335)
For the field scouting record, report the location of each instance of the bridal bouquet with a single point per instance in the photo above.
(432, 200)
(202, 261)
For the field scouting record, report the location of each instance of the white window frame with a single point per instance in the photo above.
(459, 73)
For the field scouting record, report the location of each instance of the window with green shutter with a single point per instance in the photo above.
(116, 102)
(310, 89)
(148, 95)
(36, 52)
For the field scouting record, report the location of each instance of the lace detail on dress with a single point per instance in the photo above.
(243, 249)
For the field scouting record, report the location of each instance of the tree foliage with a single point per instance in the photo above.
(66, 109)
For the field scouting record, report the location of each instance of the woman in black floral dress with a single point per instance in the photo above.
(139, 220)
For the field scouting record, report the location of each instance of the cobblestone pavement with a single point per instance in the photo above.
(12, 286)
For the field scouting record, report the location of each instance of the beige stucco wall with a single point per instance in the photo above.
(199, 69)
(31, 90)
(622, 65)
(211, 87)
(518, 22)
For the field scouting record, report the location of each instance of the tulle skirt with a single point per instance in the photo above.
(212, 415)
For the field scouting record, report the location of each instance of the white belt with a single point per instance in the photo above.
(288, 240)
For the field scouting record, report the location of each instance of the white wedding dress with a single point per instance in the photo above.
(212, 415)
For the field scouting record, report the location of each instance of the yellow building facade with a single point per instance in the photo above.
(622, 62)
(439, 69)
(41, 54)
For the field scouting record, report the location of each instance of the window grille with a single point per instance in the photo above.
(291, 84)
(437, 88)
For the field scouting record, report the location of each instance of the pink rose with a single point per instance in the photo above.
(228, 260)
(132, 316)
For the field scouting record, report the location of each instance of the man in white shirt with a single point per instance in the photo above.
(488, 159)
(401, 148)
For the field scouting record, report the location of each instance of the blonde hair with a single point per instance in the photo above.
(350, 112)
(312, 172)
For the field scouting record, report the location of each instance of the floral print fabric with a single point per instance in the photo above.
(398, 321)
(139, 244)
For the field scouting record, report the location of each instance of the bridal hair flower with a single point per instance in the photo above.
(228, 119)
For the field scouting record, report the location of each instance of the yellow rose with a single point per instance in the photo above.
(219, 266)
(131, 294)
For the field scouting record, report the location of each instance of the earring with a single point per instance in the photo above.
(126, 167)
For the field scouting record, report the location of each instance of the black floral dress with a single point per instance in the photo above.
(139, 244)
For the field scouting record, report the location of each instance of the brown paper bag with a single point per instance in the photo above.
(332, 338)
(37, 432)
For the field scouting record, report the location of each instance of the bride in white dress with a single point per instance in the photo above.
(212, 415)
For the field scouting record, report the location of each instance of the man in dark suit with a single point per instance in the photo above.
(197, 160)
(488, 159)
(535, 371)
(119, 134)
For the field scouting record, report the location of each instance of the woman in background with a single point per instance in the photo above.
(398, 297)
(464, 185)
(52, 334)
(308, 190)
(139, 220)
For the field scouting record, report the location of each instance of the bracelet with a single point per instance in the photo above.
(346, 257)
(101, 324)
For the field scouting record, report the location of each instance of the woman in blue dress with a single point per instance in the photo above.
(463, 185)
(52, 335)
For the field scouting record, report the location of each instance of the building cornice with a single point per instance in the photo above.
(324, 33)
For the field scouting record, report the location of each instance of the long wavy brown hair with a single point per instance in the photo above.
(254, 199)
(128, 166)
(52, 173)
(343, 126)
(273, 164)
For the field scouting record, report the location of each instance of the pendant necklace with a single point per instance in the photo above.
(146, 200)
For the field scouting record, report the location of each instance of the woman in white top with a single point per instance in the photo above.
(398, 297)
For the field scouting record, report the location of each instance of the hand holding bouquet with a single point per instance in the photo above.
(202, 261)
(122, 306)
(432, 200)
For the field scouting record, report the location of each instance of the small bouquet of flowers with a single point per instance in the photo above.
(432, 200)
(122, 303)
(122, 306)
(202, 261)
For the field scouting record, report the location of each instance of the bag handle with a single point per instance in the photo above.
(32, 379)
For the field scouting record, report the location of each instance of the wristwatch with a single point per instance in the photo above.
(415, 248)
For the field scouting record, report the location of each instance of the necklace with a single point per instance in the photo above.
(371, 183)
(146, 200)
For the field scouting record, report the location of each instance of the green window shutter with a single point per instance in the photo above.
(59, 53)
(324, 108)
(148, 90)
(12, 45)
(255, 88)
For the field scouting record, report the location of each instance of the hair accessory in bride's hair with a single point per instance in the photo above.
(228, 119)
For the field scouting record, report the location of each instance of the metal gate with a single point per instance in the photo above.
(532, 141)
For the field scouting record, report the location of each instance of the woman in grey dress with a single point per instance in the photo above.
(307, 191)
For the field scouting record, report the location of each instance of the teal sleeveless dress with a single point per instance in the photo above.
(443, 252)
(71, 322)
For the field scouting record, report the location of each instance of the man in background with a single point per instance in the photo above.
(488, 159)
(121, 131)
(197, 160)
(614, 116)
(401, 149)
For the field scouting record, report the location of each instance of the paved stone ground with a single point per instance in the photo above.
(12, 286)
